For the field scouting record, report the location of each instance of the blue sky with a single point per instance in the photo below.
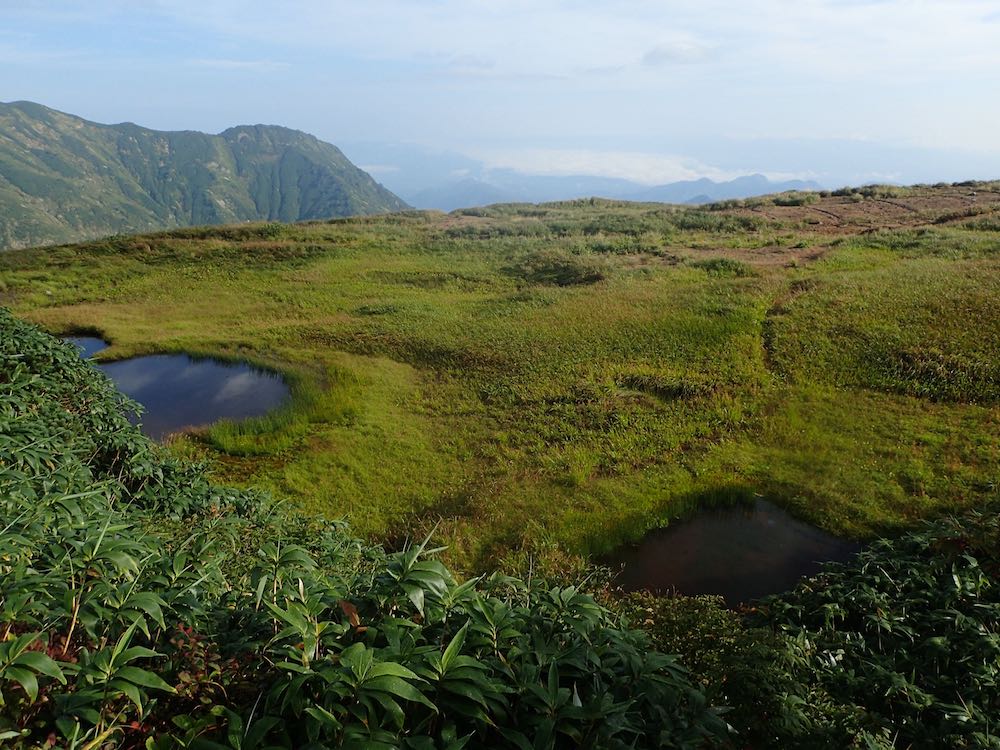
(652, 90)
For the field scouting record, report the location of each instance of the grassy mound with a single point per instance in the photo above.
(143, 606)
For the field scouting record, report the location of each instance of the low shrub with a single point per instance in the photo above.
(795, 199)
(928, 372)
(625, 245)
(904, 640)
(709, 221)
(749, 671)
(724, 267)
(988, 224)
(556, 268)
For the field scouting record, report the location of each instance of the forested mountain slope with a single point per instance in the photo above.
(64, 178)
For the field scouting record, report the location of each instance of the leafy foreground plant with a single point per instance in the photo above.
(142, 606)
(905, 642)
(900, 649)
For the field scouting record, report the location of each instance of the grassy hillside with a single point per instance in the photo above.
(563, 377)
(63, 178)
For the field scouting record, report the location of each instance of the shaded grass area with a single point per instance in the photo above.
(572, 373)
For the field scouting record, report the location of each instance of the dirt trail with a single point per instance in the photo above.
(839, 219)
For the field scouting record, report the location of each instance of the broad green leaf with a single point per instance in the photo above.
(323, 716)
(144, 678)
(399, 688)
(42, 664)
(415, 594)
(391, 668)
(455, 647)
(129, 689)
(25, 678)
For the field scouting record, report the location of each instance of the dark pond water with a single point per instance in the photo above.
(741, 553)
(88, 345)
(178, 391)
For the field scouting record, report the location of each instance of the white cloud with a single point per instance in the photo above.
(471, 62)
(236, 388)
(647, 168)
(559, 36)
(679, 51)
(619, 78)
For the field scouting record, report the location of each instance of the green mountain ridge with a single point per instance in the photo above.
(63, 178)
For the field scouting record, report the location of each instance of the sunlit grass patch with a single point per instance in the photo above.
(574, 372)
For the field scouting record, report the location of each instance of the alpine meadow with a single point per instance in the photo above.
(569, 375)
(547, 376)
(526, 387)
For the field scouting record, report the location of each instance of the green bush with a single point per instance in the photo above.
(493, 230)
(942, 376)
(744, 669)
(556, 268)
(905, 639)
(707, 221)
(988, 224)
(795, 198)
(236, 232)
(724, 267)
(625, 245)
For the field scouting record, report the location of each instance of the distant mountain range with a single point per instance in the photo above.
(63, 178)
(707, 191)
(445, 180)
(504, 186)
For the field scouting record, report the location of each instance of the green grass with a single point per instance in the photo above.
(574, 373)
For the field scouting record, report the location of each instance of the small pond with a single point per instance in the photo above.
(740, 553)
(179, 391)
(88, 345)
